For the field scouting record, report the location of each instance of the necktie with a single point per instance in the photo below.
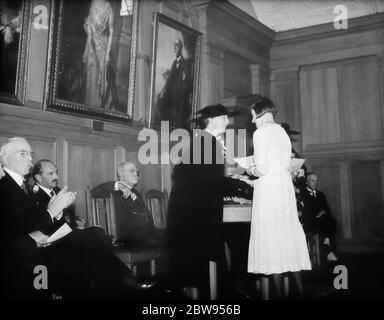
(52, 194)
(313, 193)
(24, 187)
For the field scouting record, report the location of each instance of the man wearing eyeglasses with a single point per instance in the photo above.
(24, 225)
(134, 222)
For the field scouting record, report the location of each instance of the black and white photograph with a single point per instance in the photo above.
(192, 157)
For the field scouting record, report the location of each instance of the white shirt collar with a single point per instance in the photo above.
(211, 133)
(126, 184)
(310, 190)
(15, 176)
(46, 190)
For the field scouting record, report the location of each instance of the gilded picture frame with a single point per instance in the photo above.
(15, 17)
(92, 58)
(175, 73)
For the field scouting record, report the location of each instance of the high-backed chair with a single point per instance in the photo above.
(157, 202)
(101, 212)
(313, 242)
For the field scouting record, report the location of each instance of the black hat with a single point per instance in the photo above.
(214, 111)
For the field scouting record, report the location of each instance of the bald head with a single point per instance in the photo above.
(177, 47)
(16, 155)
(128, 173)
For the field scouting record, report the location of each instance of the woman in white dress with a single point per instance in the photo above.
(277, 243)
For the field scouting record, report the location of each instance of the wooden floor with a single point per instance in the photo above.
(365, 281)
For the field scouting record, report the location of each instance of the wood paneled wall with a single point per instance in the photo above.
(86, 158)
(329, 86)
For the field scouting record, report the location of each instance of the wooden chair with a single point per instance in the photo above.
(313, 242)
(101, 212)
(157, 203)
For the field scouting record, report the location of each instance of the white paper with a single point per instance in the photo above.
(60, 233)
(296, 164)
(245, 162)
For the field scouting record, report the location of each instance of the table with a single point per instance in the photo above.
(237, 213)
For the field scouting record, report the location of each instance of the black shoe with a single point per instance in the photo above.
(144, 286)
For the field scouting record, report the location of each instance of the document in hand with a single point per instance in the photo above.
(245, 162)
(296, 164)
(60, 233)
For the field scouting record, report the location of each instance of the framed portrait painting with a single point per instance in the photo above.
(14, 28)
(92, 58)
(175, 72)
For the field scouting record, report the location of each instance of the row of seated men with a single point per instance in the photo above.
(81, 264)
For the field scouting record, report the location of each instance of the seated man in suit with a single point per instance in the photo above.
(134, 222)
(315, 215)
(75, 259)
(46, 187)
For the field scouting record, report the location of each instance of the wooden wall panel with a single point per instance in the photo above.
(283, 99)
(368, 208)
(360, 91)
(88, 166)
(237, 75)
(44, 149)
(320, 106)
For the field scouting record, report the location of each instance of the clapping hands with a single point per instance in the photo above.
(61, 201)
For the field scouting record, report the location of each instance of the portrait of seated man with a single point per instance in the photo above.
(134, 222)
(316, 215)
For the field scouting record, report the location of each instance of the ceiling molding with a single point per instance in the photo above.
(282, 15)
(325, 30)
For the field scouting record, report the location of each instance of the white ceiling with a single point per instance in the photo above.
(281, 15)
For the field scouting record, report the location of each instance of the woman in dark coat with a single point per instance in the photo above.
(195, 214)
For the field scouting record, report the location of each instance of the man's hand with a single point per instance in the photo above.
(61, 201)
(8, 36)
(127, 192)
(249, 171)
(40, 238)
(320, 214)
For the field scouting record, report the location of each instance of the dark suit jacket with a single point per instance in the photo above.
(133, 219)
(195, 211)
(19, 217)
(42, 200)
(175, 106)
(313, 205)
